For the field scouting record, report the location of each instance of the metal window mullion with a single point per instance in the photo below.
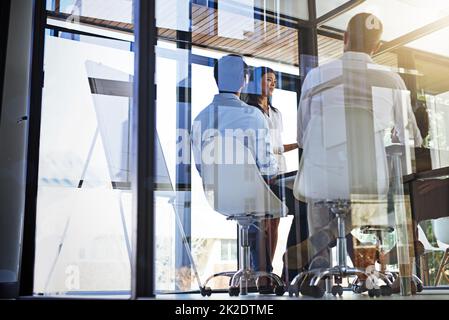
(143, 146)
(34, 116)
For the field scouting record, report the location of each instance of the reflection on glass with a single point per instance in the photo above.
(398, 16)
(121, 12)
(330, 49)
(255, 35)
(434, 43)
(324, 6)
(94, 17)
(438, 140)
(432, 111)
(288, 8)
(83, 236)
(173, 14)
(283, 100)
(229, 12)
(185, 86)
(441, 231)
(356, 127)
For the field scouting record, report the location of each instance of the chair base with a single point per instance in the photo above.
(311, 282)
(242, 278)
(378, 232)
(444, 262)
(417, 285)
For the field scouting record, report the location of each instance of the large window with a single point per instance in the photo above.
(401, 17)
(85, 198)
(186, 53)
(84, 189)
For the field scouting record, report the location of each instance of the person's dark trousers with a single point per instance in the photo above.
(259, 248)
(299, 230)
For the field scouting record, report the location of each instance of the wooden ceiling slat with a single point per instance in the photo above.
(258, 39)
(329, 46)
(267, 41)
(329, 49)
(202, 20)
(195, 9)
(287, 46)
(275, 52)
(286, 42)
(166, 32)
(267, 37)
(211, 23)
(325, 42)
(256, 33)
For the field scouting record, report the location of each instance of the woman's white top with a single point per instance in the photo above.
(274, 120)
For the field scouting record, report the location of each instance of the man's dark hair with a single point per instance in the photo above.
(230, 72)
(364, 32)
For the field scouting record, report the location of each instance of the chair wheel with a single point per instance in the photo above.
(391, 277)
(293, 290)
(313, 291)
(337, 290)
(358, 286)
(374, 293)
(234, 291)
(419, 287)
(206, 291)
(279, 290)
(266, 290)
(385, 291)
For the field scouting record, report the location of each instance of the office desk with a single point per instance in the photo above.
(429, 199)
(429, 194)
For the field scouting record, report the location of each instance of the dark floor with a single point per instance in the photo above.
(427, 294)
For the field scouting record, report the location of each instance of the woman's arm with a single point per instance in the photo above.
(290, 147)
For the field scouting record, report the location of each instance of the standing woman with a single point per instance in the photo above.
(260, 97)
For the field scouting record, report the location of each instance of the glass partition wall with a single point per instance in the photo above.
(418, 51)
(192, 35)
(83, 229)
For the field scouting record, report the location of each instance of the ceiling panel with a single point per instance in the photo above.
(399, 17)
(324, 6)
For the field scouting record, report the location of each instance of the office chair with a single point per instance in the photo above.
(235, 188)
(344, 165)
(424, 261)
(441, 231)
(379, 233)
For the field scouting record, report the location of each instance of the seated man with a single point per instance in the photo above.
(329, 93)
(228, 116)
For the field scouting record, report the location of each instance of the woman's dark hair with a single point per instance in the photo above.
(254, 89)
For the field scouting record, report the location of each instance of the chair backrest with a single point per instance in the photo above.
(423, 238)
(441, 230)
(232, 181)
(344, 157)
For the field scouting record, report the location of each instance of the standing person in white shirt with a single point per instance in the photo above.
(356, 81)
(260, 96)
(265, 83)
